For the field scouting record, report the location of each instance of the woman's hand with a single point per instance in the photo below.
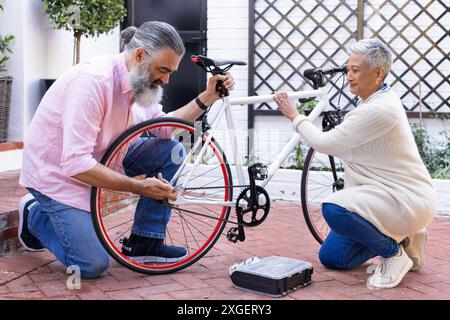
(285, 105)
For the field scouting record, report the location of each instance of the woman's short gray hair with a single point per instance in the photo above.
(152, 36)
(376, 53)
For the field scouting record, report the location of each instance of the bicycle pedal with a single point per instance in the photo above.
(258, 171)
(233, 235)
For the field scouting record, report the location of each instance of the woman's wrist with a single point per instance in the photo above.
(293, 115)
(298, 120)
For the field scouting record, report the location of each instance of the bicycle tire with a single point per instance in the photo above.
(100, 211)
(310, 197)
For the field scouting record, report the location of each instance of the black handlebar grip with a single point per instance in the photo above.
(220, 88)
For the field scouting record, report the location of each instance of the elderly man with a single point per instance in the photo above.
(83, 112)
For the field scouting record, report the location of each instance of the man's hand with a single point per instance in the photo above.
(228, 83)
(158, 189)
(191, 111)
(285, 105)
(102, 176)
(210, 95)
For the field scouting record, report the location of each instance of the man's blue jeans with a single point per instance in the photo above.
(352, 240)
(68, 232)
(150, 156)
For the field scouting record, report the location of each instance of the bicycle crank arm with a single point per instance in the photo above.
(237, 233)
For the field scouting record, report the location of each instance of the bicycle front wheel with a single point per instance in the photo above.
(195, 224)
(322, 175)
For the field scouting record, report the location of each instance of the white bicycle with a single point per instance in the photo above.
(209, 187)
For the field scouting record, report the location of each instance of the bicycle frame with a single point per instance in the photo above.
(323, 105)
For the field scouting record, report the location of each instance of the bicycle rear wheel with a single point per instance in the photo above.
(194, 226)
(322, 175)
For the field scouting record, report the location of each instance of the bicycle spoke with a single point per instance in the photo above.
(207, 216)
(121, 208)
(187, 224)
(204, 173)
(185, 237)
(122, 199)
(319, 194)
(321, 187)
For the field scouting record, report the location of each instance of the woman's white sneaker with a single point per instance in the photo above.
(415, 248)
(390, 271)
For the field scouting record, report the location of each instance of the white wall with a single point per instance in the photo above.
(228, 39)
(59, 55)
(40, 52)
(34, 61)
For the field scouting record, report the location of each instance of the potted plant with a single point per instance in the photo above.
(5, 84)
(85, 17)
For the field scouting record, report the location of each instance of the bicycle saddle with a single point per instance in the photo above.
(208, 62)
(214, 67)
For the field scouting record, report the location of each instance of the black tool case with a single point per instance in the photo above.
(274, 276)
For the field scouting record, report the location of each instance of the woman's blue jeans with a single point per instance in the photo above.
(68, 232)
(352, 240)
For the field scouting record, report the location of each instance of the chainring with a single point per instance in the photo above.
(253, 214)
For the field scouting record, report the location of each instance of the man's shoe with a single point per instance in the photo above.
(28, 241)
(151, 250)
(415, 248)
(391, 271)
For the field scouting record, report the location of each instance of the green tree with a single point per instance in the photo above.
(85, 17)
(5, 42)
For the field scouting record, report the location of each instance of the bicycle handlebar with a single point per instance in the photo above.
(311, 73)
(316, 75)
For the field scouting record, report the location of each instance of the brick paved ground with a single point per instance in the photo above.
(26, 275)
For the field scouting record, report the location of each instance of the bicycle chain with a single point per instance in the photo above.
(204, 188)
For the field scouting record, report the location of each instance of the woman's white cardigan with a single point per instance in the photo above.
(386, 181)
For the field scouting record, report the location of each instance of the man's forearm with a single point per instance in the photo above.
(102, 176)
(192, 111)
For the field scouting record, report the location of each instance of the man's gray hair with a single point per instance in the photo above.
(152, 36)
(376, 53)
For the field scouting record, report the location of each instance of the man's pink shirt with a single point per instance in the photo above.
(81, 114)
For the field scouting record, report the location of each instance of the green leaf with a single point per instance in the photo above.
(88, 17)
(93, 17)
(5, 42)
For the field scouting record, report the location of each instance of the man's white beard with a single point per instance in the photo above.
(149, 97)
(146, 93)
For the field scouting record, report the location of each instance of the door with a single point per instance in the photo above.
(189, 18)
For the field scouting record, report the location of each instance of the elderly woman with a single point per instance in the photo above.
(388, 198)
